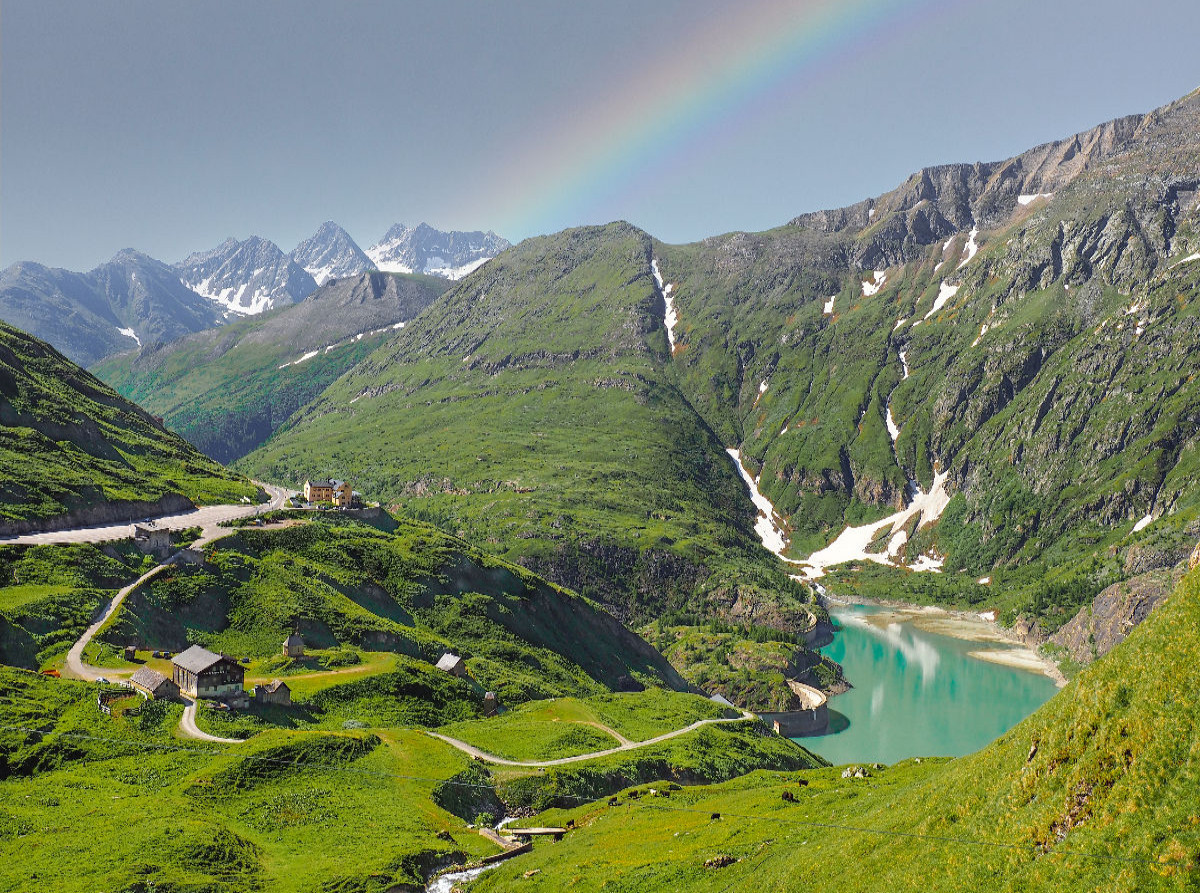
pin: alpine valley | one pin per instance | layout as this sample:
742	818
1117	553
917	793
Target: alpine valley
576	622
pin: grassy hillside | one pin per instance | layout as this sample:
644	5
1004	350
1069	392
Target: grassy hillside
226	390
69	442
92	802
1095	791
532	410
48	595
413	591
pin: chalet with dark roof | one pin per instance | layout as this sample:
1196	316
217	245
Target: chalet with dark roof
200	673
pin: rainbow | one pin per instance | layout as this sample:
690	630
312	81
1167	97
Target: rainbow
703	80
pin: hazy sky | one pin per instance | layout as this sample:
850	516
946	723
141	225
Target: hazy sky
167	125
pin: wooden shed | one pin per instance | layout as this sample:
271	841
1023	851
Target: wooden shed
153	684
453	664
274	692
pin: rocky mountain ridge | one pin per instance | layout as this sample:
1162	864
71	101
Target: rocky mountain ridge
1034	348
330	253
246	277
120	304
423	249
134	299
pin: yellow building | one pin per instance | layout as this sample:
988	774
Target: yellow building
340	493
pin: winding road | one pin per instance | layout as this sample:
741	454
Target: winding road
208	519
189	729
473	751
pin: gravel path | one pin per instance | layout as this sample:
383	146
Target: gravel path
189	729
545	764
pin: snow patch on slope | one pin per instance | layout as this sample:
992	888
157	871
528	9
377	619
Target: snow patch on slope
1030	199
671	317
893	428
972	247
851	544
871	288
945	293
768	526
130	333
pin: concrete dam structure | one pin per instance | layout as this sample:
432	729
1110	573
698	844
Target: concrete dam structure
812	717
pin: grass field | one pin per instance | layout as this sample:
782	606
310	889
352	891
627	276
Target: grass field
563	727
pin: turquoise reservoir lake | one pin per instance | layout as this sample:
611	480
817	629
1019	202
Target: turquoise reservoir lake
918	693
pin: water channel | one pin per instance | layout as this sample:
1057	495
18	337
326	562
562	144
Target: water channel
917	692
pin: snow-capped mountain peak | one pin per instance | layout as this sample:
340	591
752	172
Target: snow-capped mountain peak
246	277
423	249
330	253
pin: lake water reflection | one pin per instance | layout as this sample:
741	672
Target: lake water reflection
918	693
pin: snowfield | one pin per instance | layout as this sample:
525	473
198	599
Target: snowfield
851	544
945	293
768	526
872	288
972	247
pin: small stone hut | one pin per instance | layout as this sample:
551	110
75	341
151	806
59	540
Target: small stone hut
152	539
453	664
491	705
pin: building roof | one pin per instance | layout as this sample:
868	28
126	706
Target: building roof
148	679
294	639
197	659
448	661
275	685
321	483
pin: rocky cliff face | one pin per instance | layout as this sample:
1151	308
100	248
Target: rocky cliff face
1101	626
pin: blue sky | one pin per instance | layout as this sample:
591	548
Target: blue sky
166	125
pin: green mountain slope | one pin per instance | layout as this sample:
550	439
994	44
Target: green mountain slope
226	390
1027	326
70	445
1095	791
532	409
414	591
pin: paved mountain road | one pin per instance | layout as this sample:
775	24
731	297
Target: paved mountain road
208	518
